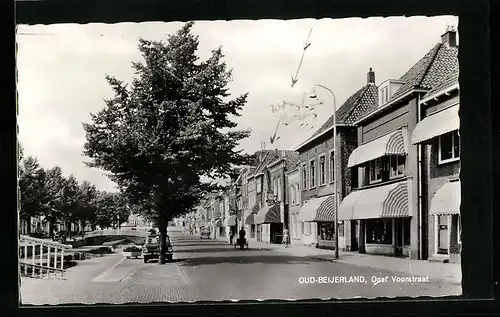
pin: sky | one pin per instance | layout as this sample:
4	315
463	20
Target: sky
62	68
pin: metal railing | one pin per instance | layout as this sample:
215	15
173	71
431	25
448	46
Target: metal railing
41	258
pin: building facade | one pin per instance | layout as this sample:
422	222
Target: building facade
437	136
320	165
385	208
294	199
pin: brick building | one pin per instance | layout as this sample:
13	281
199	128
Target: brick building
386	206
319	166
437	136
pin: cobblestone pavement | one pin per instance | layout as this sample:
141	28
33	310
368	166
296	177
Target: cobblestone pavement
208	270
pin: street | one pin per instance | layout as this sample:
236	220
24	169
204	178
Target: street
210	270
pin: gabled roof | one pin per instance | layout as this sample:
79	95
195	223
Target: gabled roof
446	83
426	73
288	157
354	107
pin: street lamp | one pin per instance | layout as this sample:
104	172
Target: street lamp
314	96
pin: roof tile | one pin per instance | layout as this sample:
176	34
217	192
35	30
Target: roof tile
447	82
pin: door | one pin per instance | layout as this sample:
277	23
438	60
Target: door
443	235
259	233
354	235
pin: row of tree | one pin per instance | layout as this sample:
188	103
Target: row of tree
64	200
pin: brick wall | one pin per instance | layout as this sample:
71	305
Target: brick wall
435	176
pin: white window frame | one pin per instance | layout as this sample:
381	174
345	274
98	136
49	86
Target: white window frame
312	176
331	173
275	186
374	162
258	185
322	171
307	225
303	177
297	192
397	174
459	230
453	158
292	195
279	198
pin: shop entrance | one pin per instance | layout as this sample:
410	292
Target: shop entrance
443	234
354	235
398	230
276	231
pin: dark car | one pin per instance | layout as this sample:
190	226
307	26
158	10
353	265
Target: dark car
205	233
151	249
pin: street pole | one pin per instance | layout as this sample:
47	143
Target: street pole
334	167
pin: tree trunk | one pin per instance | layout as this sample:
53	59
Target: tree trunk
163	242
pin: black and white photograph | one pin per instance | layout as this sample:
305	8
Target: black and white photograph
180	162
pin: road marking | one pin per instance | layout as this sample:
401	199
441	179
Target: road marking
101	277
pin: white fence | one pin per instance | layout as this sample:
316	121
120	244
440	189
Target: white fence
41	258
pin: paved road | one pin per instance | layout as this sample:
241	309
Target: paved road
212	270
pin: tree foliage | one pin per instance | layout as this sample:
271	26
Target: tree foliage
170	127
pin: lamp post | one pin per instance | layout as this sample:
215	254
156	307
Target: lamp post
314	96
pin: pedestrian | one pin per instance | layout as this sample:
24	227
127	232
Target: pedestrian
231	234
286	238
242	235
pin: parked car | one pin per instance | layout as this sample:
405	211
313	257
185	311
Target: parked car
151	249
132	251
205	233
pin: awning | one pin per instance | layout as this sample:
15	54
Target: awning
446	200
231	221
392	143
436	124
250	220
217	223
268	214
320	209
389	201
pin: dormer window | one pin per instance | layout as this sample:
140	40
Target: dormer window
387	89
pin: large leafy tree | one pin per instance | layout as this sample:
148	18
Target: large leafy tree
86	212
173	125
32	189
54	202
70	203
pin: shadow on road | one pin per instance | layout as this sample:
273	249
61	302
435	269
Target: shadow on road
191	244
271	259
155	261
214	250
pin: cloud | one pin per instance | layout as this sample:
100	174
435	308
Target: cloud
62	71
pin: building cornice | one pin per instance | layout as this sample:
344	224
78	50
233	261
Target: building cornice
388	105
310	140
440	93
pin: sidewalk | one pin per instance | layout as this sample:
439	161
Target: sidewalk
449	272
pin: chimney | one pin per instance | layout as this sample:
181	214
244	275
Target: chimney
449	37
371	77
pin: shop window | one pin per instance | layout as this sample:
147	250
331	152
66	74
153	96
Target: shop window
312	173
332	166
406	231
304	177
379	231
322	170
449	147
327	231
252	231
375	171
